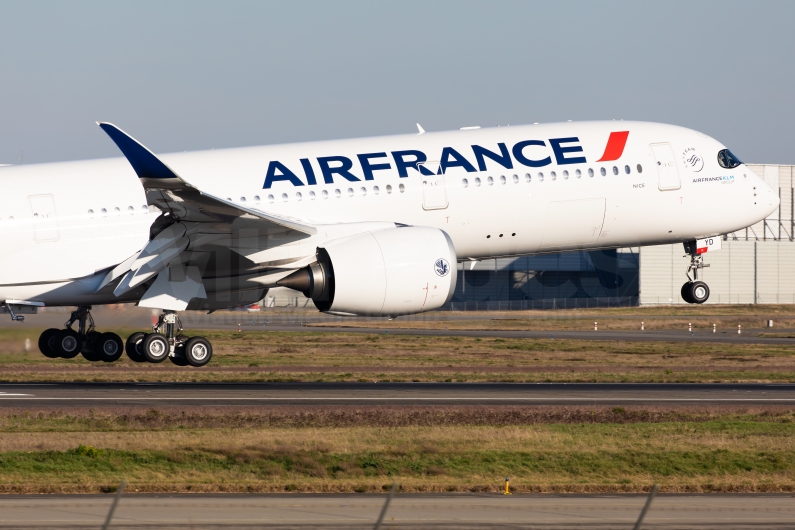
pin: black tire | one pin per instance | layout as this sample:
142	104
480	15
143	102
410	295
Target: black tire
198	351
133	347
155	348
685	292
67	343
179	361
108	347
46	345
88	351
699	292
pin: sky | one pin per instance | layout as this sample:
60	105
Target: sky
189	75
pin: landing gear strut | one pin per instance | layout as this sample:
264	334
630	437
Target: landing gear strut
68	343
167	342
694	291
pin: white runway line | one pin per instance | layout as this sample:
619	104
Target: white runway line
551	398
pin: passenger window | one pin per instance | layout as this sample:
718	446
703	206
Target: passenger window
130	210
502	179
540	177
516	179
145	208
627	170
553	175
578	173
284	197
91	213
376	190
615	170
603	171
565	175
727	160
270	199
477	181
325	194
364	191
298	196
116	210
528	177
256	197
337	193
402	188
104	212
311	196
640	168
590	172
465	183
389	188
242	199
350	192
490	181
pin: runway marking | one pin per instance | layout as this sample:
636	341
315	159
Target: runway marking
551	398
5	394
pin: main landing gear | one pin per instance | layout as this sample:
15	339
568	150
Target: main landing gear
694	291
167	342
68	343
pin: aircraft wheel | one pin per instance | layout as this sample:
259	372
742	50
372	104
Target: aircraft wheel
46	345
108	347
133	347
88	350
155	348
685	292
179	361
67	343
198	351
699	292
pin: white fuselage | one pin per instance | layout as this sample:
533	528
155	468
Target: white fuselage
63	224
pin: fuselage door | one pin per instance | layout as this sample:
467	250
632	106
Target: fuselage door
45	223
667	172
434	192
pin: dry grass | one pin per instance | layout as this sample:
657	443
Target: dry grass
338	449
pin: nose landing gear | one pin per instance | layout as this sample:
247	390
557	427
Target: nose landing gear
167	342
694	291
68	343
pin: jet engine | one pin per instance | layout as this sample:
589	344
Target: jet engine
390	272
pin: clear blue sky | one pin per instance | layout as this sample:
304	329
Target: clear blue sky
194	75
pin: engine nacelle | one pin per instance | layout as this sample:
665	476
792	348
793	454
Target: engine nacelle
391	272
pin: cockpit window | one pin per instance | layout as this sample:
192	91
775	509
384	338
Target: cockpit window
727	160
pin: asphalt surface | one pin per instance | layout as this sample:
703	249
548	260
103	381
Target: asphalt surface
434	511
36	395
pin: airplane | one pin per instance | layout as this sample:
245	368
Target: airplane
369	226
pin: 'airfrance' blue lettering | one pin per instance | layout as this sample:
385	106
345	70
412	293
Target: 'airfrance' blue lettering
343	170
519	155
284	174
452	158
560	152
309	172
403	165
368	168
503	158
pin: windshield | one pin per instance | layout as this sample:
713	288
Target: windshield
727	160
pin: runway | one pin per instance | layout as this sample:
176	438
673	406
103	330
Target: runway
432	511
36	395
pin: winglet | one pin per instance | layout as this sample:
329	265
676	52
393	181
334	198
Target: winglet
143	161
419	127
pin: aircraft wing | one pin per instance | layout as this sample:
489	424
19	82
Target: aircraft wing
172	193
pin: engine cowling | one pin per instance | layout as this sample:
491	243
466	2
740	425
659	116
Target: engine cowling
391	272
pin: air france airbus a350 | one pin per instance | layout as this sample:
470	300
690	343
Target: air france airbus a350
371	226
